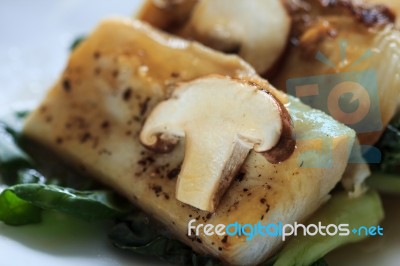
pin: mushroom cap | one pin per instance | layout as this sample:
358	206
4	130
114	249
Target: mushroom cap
226	106
257	30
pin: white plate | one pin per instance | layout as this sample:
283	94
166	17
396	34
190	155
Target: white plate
35	37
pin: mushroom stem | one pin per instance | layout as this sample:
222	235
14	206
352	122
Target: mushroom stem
206	174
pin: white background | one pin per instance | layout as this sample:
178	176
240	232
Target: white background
34	41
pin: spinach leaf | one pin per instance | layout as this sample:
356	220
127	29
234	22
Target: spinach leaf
171	251
384	183
76	42
385	176
140	235
13	161
320	262
45	183
21	204
18	167
15	211
389	145
137	234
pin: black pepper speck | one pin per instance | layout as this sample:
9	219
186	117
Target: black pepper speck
66	85
127	94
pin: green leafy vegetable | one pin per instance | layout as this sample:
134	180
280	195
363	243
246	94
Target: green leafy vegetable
15	211
13	161
17	167
31	191
136	233
390	147
21	204
76	42
363	211
384	183
172	251
320	262
386	176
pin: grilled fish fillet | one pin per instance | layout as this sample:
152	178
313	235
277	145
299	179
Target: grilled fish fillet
353	38
94	113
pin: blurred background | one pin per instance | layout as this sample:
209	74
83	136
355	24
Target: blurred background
35	41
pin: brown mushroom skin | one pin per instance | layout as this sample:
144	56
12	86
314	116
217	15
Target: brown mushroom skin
287	142
286	145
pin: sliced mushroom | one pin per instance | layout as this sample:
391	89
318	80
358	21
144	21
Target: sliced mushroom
222	119
256	30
